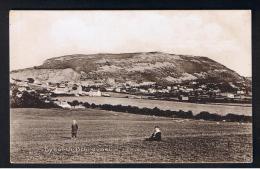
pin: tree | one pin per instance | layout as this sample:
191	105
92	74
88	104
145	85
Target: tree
30	80
74	103
74	88
29	99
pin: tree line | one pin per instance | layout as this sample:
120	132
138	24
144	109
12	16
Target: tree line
204	115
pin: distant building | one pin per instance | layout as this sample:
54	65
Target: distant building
203	86
216	91
95	93
175	87
181	89
63	104
62	85
165	90
143	91
228	95
239	96
21	89
199	89
189	89
61	90
183	98
118	89
109	89
151	90
240	92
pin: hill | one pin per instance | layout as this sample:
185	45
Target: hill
111	69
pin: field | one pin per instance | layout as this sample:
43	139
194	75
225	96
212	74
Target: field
43	136
222	109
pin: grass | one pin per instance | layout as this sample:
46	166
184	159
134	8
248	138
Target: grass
43	136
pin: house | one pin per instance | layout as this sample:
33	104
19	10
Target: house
204	96
203	86
199	89
151	90
47	101
239	97
240	92
109	89
143	90
183	98
19	94
216	91
63	104
62	85
181	89
95	93
61	90
165	90
189	89
175	87
21	89
228	95
118	89
50	84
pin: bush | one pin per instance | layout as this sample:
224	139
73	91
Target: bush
74	103
237	118
208	116
93	105
183	114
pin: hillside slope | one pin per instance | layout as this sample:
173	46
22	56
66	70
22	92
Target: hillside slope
135	67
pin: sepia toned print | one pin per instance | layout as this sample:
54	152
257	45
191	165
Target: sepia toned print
151	86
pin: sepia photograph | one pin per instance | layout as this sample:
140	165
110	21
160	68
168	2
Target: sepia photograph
130	86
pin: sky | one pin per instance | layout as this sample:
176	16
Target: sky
222	35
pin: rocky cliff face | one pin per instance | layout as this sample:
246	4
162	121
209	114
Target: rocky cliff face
135	67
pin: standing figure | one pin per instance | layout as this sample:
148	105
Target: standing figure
156	136
74	129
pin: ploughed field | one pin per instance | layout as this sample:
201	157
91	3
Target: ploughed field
221	109
43	136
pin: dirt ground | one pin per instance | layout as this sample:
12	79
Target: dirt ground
43	136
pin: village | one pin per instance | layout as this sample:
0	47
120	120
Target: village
193	91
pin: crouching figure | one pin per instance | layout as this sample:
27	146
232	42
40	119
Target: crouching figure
156	136
74	129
